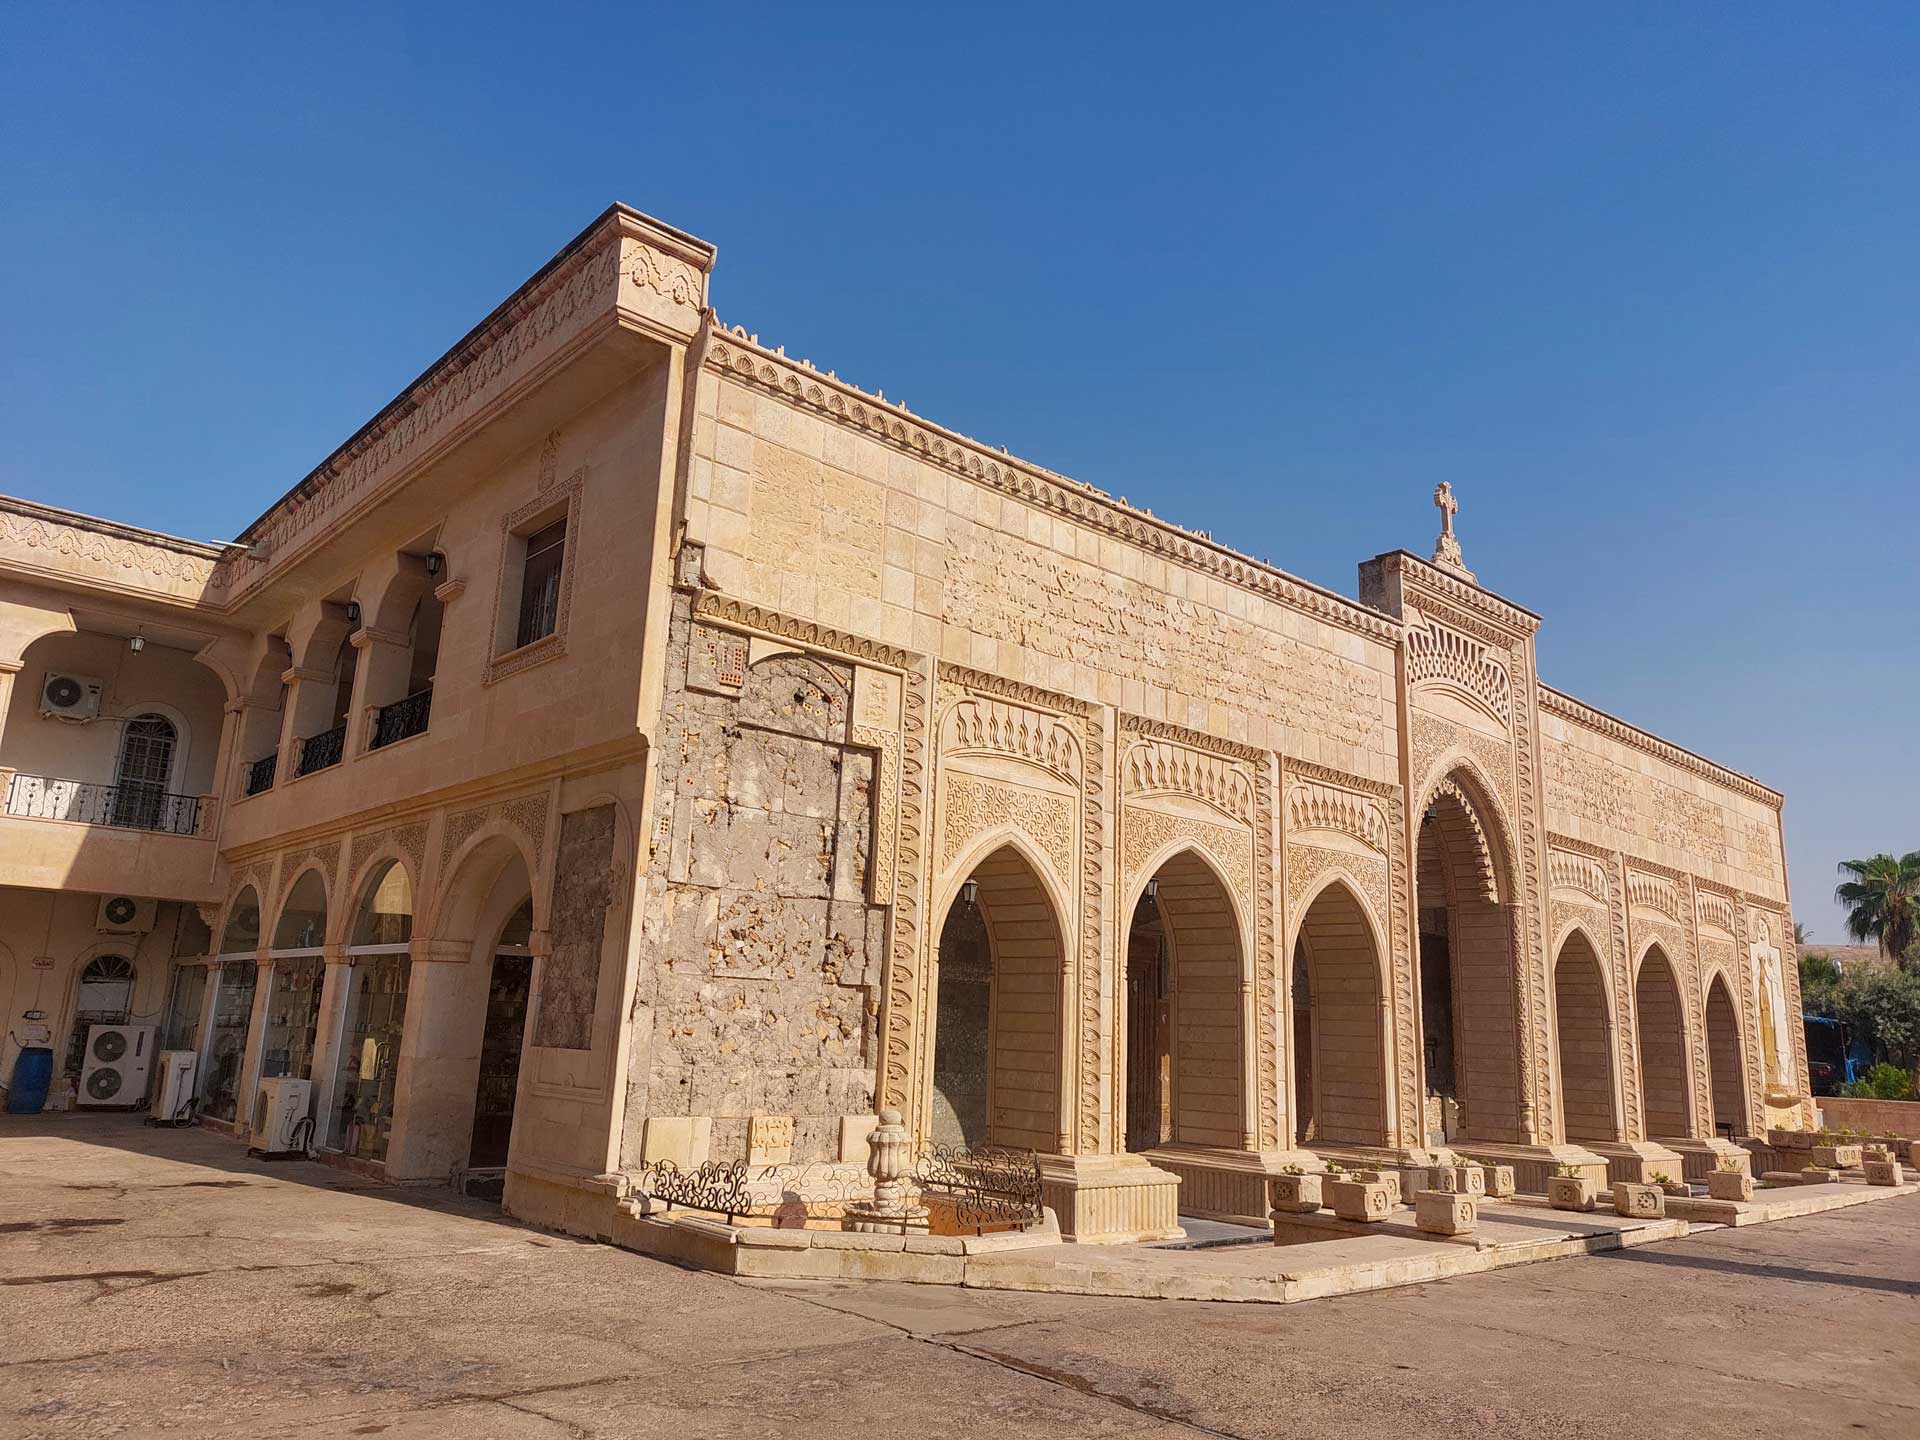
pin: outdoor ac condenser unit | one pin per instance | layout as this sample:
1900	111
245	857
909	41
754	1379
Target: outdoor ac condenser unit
114	1071
174	1088
279	1105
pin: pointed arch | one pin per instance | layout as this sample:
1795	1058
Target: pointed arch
1584	1030
1342	1067
999	1043
1660	1023
1203	977
1726	1058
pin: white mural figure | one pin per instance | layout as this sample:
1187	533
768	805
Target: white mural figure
1776	1038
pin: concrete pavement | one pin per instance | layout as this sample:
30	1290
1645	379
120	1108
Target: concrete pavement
159	1283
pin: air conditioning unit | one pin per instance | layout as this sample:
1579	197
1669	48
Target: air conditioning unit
173	1089
116	1065
279	1105
125	914
71	697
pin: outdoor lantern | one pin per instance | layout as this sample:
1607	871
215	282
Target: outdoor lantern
136	642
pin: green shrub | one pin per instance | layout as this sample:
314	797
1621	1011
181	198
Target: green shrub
1883	1082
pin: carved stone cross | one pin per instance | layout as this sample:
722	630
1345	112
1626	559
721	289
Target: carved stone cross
1446	549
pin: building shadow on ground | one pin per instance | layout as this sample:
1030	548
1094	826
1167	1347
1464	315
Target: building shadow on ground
1648	1255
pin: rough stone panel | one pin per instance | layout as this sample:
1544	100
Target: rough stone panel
582	891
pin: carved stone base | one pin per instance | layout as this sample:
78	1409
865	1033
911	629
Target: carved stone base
1111	1199
1534	1165
1635	1162
1703	1157
865	1218
1221	1184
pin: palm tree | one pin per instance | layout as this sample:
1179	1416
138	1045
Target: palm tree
1882	900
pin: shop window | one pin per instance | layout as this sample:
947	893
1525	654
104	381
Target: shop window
227	1033
293	1017
376	1012
182	1031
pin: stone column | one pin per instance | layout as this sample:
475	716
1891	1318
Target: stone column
328	1036
438	1067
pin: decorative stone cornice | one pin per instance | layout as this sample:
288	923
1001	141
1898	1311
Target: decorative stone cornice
725	610
46	539
1555	702
625	264
739	356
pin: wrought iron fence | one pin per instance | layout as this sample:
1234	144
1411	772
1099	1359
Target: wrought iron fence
317	752
716	1186
402	719
128	807
261	772
985	1185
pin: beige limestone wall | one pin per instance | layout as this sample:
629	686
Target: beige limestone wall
1607	792
811	516
46	940
158	679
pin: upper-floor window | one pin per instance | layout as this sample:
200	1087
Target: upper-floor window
540	583
146	766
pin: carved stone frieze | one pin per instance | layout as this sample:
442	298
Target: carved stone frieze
1266	967
903	1001
1407	1067
1367	874
409	839
985	725
1154	767
1096	841
971	805
1314	806
1655	892
1567	870
1462	665
1146	832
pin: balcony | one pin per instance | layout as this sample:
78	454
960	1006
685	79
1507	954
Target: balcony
260	774
401	720
319	752
126	807
59	834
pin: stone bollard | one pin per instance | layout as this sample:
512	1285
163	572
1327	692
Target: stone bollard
889	1160
1729	1185
1293	1194
1639	1202
1882	1172
1445	1212
1572	1192
1363	1200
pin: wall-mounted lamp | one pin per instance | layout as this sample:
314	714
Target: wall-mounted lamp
970	890
436	562
1153	889
353	612
136	642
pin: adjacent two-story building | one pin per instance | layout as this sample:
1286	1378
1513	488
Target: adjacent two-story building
637	743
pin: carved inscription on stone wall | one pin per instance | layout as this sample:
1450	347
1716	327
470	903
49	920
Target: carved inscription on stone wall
802	508
1032	596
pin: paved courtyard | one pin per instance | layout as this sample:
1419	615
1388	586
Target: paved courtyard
158	1282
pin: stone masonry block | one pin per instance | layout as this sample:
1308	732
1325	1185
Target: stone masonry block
685	1140
770	1140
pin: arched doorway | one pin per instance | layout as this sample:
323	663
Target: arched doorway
1468	990
104	996
1186	1053
997	1020
1340	1051
1585	1033
503	1038
1661	1026
1724	1056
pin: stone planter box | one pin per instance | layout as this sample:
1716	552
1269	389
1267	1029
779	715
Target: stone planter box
1678	1188
1639	1202
1913	1153
1364	1200
1790	1139
1445	1212
1882	1172
1461	1180
1729	1185
1294	1194
1501	1183
1572	1192
1837	1157
1388	1178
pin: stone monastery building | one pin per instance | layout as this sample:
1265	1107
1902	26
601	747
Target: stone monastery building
637	743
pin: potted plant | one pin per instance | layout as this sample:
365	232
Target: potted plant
1670	1186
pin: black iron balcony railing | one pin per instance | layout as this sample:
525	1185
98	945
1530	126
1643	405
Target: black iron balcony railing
401	719
261	772
317	752
130	807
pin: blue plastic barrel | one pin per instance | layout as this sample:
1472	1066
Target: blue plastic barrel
32	1074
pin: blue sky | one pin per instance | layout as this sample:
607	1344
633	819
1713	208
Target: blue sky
1640	281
